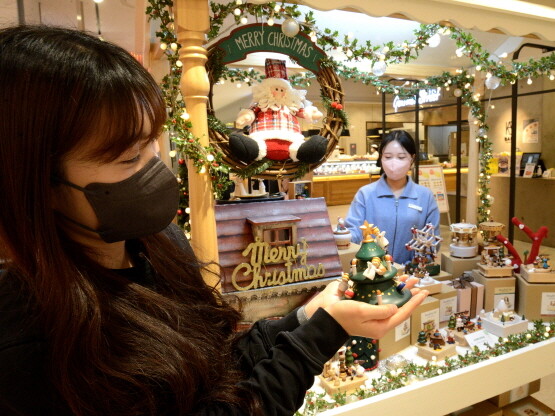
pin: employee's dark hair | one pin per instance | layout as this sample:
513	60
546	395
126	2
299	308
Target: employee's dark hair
404	139
115	347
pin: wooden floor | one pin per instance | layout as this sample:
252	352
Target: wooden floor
547	391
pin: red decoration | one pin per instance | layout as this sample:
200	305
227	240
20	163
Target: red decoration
536	238
349	294
181	161
179	212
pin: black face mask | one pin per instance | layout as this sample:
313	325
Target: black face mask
141	205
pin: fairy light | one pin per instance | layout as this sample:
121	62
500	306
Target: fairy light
270	22
173	46
237	12
277	8
529	82
172	153
210	157
244	20
185	115
178	64
163	46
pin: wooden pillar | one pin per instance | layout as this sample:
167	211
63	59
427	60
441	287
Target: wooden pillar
191	17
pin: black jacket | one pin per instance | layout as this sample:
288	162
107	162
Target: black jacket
280	357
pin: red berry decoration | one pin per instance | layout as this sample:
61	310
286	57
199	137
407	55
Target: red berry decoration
179	212
339	106
334	104
215	164
181	161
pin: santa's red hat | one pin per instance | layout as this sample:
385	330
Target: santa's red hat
275	68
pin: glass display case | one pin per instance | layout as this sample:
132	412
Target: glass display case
352	167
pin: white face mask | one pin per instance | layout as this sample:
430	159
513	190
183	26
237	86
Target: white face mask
396	169
396	161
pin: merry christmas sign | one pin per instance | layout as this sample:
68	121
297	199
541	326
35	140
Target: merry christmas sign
263	38
279	244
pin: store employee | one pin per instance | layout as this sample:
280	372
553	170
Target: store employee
394	203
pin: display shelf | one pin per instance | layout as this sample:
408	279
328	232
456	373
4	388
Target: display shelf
458	389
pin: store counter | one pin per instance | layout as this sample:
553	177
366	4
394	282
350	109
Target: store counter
340	189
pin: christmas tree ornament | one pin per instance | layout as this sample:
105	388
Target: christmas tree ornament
290	27
493	82
375	282
379	68
275	132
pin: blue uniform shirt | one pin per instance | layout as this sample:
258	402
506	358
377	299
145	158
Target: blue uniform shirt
377	204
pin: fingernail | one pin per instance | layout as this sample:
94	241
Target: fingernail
425	292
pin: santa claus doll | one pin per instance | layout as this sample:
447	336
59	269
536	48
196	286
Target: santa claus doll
275	132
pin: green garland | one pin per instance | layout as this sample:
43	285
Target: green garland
318	402
508	72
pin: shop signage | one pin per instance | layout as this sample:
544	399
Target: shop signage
424	96
294	268
263	38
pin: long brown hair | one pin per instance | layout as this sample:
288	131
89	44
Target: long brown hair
115	346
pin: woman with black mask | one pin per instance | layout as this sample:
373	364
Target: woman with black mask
103	308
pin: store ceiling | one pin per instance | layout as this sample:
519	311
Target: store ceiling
120	20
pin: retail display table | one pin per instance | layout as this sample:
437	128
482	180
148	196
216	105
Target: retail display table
461	388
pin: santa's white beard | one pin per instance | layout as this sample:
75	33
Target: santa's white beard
273	103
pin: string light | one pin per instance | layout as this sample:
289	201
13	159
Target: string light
529	82
270	22
237	12
244	20
173	46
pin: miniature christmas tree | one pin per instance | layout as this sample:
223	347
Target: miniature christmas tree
374	277
375	282
365	351
349	359
422	338
452	322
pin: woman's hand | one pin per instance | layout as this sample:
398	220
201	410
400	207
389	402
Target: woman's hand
362	319
373	321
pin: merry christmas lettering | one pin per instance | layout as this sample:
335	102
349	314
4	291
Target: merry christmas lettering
261	254
257	38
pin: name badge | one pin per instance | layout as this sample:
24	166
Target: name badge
416	207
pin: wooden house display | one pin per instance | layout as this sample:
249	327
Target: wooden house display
276	249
